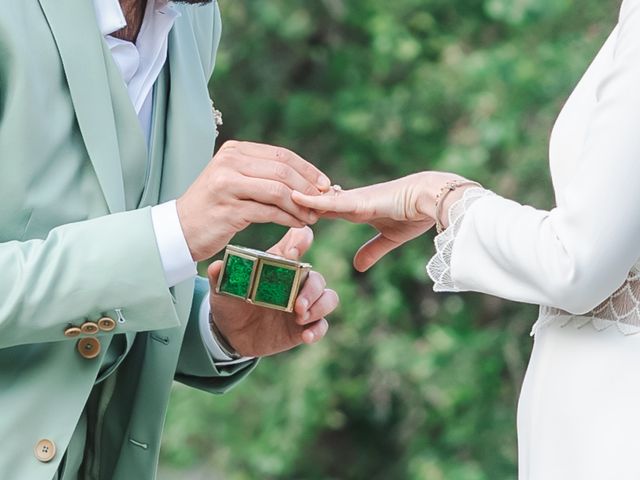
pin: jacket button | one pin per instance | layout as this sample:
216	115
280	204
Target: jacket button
72	332
89	347
106	324
89	328
45	450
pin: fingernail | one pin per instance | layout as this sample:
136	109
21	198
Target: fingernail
311	337
324	182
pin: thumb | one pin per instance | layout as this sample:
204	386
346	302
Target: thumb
372	251
214	271
294	244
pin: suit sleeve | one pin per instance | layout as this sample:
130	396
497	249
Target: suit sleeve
196	366
574	256
83	271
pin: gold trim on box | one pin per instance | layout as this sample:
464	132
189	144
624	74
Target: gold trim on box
259	259
237	252
301	269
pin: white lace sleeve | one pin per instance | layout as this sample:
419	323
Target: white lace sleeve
439	267
621	309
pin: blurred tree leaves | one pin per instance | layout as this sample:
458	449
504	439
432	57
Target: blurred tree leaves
408	384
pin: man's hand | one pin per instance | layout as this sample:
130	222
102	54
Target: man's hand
256	331
246	183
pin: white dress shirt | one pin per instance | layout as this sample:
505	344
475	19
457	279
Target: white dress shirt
573	258
140	64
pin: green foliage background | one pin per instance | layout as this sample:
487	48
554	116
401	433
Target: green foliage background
408	384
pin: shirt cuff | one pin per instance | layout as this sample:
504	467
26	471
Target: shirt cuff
176	258
220	358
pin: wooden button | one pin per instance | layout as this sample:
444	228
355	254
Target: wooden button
89	347
106	324
45	450
89	328
72	332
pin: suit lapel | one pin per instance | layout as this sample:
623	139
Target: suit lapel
75	30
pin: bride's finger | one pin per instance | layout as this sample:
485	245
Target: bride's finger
341	202
372	251
351	217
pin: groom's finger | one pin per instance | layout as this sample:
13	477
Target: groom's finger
314	332
372	251
286	156
324	306
311	291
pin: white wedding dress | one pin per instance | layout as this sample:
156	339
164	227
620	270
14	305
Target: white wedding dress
579	409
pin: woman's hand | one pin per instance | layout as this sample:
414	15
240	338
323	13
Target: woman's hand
400	210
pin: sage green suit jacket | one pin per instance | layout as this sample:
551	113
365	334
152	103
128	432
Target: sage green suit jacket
77	241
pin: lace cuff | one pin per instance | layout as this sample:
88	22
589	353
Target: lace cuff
621	309
439	267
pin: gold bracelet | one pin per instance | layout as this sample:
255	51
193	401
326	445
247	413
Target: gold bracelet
448	187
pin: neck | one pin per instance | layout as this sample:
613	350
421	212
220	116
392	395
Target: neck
133	13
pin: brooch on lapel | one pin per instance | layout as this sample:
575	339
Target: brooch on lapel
217	118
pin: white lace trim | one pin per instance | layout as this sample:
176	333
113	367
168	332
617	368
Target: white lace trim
439	267
621	309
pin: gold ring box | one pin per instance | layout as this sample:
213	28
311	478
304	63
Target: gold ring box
261	278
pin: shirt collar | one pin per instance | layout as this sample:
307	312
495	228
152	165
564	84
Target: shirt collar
111	18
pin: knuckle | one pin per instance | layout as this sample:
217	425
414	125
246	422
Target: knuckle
361	207
222	157
223	182
310	190
284	154
279	217
219	180
282	171
307	169
278	190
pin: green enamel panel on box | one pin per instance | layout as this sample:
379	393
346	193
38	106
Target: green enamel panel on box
274	285
237	276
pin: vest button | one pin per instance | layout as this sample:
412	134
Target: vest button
106	324
72	332
89	328
89	347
